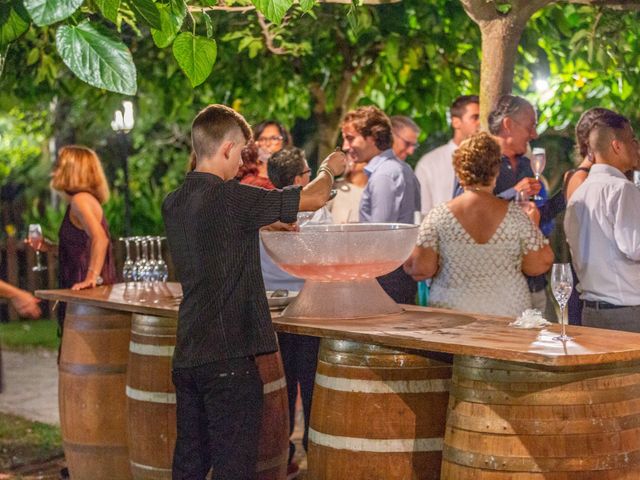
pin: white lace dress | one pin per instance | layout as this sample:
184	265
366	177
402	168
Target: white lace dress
481	278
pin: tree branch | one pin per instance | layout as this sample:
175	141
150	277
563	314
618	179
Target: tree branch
268	37
223	8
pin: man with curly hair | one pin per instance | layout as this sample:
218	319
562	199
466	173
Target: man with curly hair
392	193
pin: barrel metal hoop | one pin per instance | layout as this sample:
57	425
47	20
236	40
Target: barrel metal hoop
273	462
153	397
92	369
157	472
383	386
151	350
274	386
583	463
377	445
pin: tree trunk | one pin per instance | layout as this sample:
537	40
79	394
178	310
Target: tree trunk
500	40
501	34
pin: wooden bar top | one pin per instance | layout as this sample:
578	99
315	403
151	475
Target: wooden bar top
419	328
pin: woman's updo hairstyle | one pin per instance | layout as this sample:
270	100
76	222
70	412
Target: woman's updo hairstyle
477	160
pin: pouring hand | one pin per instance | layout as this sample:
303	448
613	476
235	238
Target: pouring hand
281	227
337	162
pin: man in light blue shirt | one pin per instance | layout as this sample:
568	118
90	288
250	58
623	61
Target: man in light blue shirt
392	193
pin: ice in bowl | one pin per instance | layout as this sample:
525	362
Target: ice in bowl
340	264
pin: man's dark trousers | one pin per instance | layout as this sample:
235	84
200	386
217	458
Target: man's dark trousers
219	411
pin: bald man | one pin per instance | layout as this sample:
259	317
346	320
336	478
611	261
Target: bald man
602	224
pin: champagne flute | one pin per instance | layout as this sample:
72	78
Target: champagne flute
36	239
561	285
538	164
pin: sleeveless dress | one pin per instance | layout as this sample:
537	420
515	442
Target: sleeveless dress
74	253
481	278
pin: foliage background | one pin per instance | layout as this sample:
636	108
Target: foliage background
410	58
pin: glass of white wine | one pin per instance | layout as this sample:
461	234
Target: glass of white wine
562	285
537	165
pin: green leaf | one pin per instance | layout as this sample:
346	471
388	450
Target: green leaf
307	5
503	8
171	18
14	21
97	57
33	56
273	10
195	55
46	12
148	12
109	9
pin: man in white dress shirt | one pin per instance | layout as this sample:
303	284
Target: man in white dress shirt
435	170
602	224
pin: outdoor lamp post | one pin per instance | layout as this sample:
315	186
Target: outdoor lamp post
122	124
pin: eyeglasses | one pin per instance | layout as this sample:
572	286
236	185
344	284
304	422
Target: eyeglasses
407	142
269	140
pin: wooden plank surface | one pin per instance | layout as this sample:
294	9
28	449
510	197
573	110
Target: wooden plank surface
418	328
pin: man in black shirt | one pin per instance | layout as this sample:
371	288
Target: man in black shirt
212	225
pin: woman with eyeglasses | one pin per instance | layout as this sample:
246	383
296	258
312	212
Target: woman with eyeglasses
269	137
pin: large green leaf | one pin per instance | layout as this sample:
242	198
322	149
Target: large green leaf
46	12
171	18
148	12
274	10
14	21
195	55
97	57
109	9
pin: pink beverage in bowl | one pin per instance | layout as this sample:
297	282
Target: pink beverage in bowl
340	264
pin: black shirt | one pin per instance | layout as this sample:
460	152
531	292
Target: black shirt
212	233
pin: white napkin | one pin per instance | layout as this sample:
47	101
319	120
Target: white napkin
530	318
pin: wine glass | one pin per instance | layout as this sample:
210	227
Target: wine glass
522	199
538	164
127	267
36	239
561	285
162	270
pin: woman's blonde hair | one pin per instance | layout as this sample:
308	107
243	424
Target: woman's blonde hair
477	161
78	169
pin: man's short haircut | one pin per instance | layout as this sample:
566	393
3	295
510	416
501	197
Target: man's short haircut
507	106
400	122
371	122
593	119
285	165
459	105
212	126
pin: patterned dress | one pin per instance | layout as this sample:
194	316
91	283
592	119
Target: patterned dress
482	278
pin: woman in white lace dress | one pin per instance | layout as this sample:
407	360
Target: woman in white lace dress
477	247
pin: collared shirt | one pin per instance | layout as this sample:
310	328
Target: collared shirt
392	193
602	224
436	176
212	233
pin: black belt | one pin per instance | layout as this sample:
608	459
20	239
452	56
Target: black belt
602	305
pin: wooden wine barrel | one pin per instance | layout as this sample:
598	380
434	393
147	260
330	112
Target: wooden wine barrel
92	378
377	413
151	397
273	451
152	404
511	421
